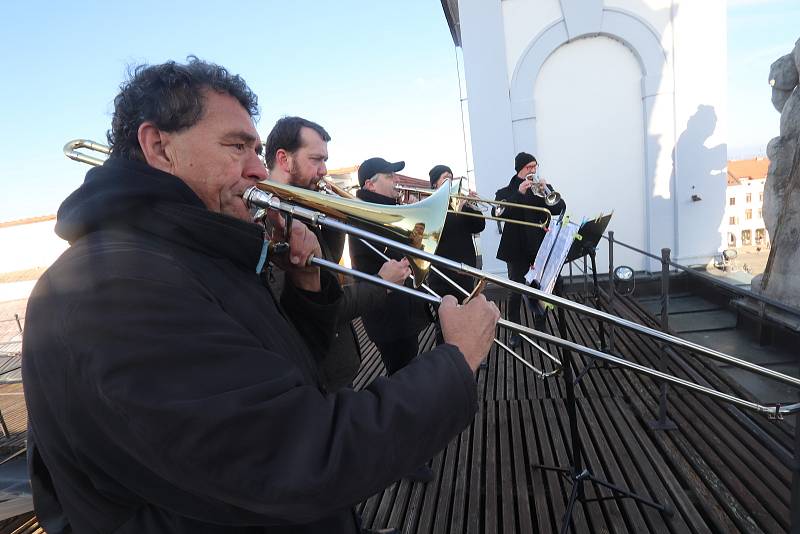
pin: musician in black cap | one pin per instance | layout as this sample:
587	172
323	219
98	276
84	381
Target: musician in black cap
395	327
456	242
519	243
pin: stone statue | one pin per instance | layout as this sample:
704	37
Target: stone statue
781	279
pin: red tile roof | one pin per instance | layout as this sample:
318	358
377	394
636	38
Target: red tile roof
747	169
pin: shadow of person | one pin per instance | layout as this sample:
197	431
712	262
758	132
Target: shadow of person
700	182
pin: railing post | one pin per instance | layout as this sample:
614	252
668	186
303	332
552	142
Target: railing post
665	289
611	289
663	422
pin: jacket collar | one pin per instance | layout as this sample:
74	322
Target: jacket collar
123	193
370	196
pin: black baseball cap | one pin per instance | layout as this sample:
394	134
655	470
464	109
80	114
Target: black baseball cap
373	166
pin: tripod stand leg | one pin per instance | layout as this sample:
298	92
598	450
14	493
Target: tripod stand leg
630	495
577	482
596	295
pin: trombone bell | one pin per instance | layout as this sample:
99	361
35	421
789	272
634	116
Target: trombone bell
418	225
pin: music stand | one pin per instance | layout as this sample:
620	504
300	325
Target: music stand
590	234
577	474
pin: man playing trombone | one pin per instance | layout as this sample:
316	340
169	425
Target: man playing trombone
394	328
167	390
295	153
519	244
456	242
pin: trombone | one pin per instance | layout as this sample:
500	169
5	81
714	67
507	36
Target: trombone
331	188
455	196
273	196
71	151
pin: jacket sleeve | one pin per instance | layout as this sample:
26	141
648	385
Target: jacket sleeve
360	299
473	225
314	314
193	412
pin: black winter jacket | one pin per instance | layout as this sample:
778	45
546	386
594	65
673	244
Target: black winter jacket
340	364
169	393
402	315
520	243
456	244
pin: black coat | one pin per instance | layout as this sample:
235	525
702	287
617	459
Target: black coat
520	243
169	393
456	244
402	315
342	361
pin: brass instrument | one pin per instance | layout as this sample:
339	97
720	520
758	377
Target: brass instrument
71	151
494	203
254	196
551	198
329	187
398	221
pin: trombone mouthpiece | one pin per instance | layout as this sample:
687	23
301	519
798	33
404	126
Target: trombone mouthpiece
255	197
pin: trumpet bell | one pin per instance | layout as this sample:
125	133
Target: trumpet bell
418	225
552	199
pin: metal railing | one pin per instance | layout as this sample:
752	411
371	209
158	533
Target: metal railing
663	422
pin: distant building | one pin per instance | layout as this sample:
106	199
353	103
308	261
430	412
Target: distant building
27	248
744	220
345	177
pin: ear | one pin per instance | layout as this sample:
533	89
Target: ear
153	142
369	185
282	159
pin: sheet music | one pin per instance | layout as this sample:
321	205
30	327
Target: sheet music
537	269
561	246
556	245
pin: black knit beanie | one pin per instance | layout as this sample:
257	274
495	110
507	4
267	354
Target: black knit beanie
522	159
436	173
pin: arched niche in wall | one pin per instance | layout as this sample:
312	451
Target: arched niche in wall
643	43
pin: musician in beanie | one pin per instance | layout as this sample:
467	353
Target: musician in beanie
456	242
519	243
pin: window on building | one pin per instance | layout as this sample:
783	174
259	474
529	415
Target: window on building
761	236
731	240
760	213
748	197
746	237
732	201
761	197
732	220
748	214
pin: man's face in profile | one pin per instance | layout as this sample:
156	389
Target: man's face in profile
218	156
306	165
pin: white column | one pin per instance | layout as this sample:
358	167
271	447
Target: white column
483	41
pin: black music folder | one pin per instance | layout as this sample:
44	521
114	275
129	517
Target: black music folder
588	237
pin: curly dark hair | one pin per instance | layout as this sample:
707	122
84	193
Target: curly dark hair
171	96
286	135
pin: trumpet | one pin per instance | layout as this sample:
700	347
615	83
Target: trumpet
551	198
322	210
456	196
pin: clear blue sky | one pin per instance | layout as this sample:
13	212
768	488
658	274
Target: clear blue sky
759	32
380	76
